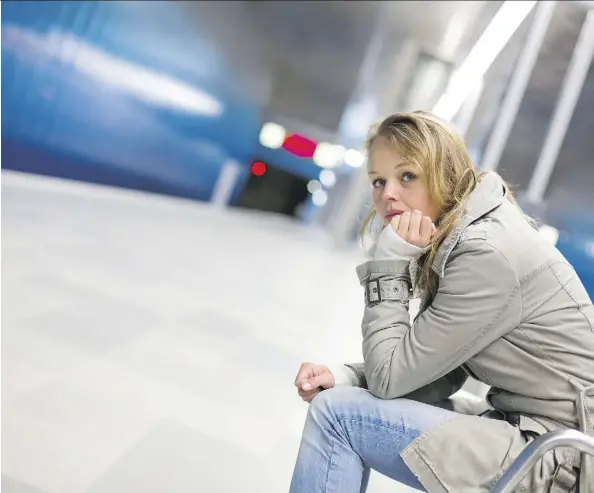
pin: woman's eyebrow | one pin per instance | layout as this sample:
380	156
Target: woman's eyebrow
399	165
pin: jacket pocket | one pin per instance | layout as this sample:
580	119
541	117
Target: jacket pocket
464	455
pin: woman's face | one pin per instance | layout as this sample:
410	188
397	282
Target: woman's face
396	187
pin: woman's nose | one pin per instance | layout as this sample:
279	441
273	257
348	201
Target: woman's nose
391	192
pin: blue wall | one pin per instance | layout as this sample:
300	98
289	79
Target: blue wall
124	93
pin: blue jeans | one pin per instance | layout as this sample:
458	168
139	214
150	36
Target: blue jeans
348	431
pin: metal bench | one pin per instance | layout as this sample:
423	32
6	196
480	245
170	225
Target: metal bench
533	452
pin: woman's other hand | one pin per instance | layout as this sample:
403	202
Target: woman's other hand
312	379
413	228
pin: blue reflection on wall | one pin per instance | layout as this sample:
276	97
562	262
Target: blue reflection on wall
124	93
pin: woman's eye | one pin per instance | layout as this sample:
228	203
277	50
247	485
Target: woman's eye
408	177
378	183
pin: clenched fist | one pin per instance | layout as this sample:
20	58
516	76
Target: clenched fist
413	227
312	379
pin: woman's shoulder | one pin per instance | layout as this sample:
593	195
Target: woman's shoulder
508	234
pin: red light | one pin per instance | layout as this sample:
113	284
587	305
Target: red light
258	168
299	145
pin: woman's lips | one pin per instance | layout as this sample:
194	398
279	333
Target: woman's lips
390	215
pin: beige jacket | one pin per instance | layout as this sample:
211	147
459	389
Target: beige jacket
511	312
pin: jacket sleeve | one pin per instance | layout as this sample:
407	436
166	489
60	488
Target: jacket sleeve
478	301
433	393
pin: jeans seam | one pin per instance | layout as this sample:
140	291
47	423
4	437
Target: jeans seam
329	466
407	434
403	430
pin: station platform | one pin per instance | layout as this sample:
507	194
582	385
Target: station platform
150	344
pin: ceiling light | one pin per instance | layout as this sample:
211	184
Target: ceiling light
354	158
328	155
313	186
328	178
319	198
497	34
272	135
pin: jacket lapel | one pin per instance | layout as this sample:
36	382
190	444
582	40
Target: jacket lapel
488	195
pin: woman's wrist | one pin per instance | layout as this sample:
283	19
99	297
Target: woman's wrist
391	246
343	375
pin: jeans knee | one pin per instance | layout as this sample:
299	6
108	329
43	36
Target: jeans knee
332	403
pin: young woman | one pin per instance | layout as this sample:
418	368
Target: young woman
499	304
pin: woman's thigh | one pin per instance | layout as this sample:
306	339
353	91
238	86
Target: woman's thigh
377	430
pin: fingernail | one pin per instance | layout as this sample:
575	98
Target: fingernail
306	386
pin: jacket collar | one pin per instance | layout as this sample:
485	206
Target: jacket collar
488	195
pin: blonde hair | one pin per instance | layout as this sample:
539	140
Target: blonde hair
442	161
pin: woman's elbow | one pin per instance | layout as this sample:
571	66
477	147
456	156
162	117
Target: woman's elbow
381	385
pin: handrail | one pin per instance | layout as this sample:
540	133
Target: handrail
533	452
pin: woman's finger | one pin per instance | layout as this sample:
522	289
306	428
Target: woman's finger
426	230
395	223
414	227
403	226
305	372
308	396
306	393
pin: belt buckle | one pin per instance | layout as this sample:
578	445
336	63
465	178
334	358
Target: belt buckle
373	293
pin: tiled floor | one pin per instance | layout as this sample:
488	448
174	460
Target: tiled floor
150	344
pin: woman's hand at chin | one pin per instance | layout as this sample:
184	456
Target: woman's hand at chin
414	228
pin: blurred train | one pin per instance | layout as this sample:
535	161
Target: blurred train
131	94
